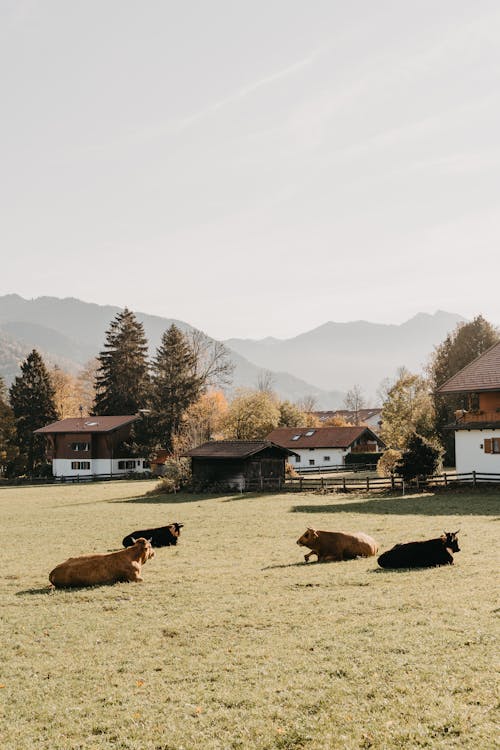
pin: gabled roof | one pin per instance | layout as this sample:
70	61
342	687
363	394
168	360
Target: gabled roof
320	437
482	374
87	424
234	449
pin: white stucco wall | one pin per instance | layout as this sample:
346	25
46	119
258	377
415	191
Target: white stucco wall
318	455
61	467
469	450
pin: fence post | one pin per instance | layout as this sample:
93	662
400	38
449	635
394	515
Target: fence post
474	478
322	483
392	480
418	485
300	486
445	480
343	484
367	483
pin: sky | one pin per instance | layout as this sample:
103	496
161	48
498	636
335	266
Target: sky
253	168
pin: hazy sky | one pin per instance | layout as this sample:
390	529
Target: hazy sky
253	168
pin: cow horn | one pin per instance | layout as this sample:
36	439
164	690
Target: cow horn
456	532
150	540
133	540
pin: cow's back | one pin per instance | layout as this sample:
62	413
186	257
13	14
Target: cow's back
427	554
350	545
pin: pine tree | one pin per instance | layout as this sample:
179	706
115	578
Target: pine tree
8	447
122	380
175	385
31	398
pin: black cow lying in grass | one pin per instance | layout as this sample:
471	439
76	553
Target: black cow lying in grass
427	554
165	536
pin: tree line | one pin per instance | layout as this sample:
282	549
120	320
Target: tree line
178	393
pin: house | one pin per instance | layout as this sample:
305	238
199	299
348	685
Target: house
91	446
240	464
369	417
477	425
323	447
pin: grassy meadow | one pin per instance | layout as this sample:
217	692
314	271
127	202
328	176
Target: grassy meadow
232	641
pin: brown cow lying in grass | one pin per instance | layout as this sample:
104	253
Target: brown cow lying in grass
333	546
97	569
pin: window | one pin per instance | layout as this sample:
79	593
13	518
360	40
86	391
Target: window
326	458
80	465
311	462
310	432
80	446
297	459
128	464
492	445
295	437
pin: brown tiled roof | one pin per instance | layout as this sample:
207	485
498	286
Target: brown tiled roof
319	437
482	374
234	449
87	424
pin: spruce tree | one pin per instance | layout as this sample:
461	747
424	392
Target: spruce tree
31	398
122	380
175	385
8	448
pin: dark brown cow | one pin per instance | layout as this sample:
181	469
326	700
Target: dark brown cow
333	546
428	554
97	569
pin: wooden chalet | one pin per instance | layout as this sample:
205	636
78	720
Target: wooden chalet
323	447
477	425
240	464
91	446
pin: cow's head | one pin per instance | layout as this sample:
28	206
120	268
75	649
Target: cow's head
175	529
308	537
144	549
450	540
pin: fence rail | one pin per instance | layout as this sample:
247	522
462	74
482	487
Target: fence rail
302	484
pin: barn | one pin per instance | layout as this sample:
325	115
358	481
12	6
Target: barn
243	465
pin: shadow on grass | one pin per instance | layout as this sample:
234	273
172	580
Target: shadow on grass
441	504
34	592
287	565
163	499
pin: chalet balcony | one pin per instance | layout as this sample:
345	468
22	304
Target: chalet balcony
464	418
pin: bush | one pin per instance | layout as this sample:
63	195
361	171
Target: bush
177	474
290	472
367	459
387	462
420	459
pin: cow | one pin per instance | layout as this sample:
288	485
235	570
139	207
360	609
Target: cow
428	554
98	569
333	546
164	536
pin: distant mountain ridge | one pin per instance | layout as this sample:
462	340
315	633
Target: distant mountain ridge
69	332
358	352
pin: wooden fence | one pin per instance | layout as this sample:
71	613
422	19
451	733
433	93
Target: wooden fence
346	484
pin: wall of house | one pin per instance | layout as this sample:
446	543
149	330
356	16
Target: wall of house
470	455
62	467
318	455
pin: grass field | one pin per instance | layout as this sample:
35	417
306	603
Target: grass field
232	641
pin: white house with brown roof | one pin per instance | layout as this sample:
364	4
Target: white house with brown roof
91	446
323	447
477	426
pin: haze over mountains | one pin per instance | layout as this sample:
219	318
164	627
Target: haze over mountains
323	363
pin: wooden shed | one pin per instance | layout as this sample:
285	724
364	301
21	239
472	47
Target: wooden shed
242	465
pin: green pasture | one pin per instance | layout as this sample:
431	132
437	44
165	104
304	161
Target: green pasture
232	641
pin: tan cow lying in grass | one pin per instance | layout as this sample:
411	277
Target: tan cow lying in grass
333	546
97	569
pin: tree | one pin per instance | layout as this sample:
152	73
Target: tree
459	348
408	408
8	449
291	415
31	397
212	365
86	385
201	421
420	459
265	382
251	416
355	401
122	381
175	385
67	397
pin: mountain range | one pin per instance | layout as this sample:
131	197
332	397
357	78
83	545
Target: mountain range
323	363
